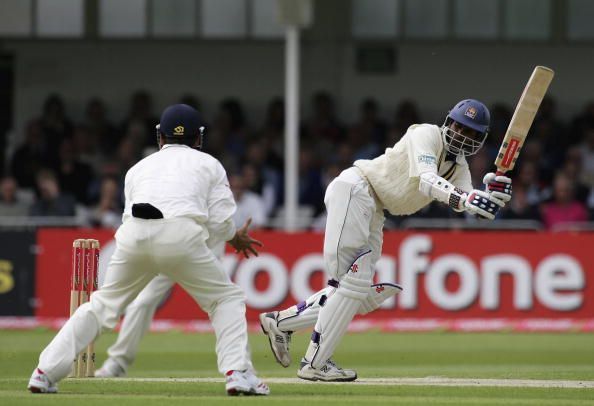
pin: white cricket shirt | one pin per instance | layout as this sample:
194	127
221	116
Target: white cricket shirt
183	182
394	176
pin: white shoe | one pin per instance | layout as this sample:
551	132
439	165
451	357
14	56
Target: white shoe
279	340
257	385
40	383
246	383
110	369
329	372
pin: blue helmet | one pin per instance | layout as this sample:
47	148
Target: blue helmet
181	124
472	114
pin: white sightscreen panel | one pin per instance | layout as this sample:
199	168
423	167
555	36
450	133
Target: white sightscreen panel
580	24
265	23
375	18
527	19
15	17
173	18
426	18
60	18
224	18
476	19
122	18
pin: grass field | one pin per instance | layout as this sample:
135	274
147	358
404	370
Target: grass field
374	355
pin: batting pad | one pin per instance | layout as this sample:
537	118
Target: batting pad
304	314
378	294
339	310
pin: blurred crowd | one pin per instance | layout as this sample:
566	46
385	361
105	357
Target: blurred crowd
67	168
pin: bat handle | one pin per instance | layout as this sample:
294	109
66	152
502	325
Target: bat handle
499	173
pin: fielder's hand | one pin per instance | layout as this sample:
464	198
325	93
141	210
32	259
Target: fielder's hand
499	187
242	242
483	204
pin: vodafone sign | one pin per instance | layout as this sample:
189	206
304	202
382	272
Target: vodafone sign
443	274
446	276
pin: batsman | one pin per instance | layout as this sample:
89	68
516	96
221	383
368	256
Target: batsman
428	163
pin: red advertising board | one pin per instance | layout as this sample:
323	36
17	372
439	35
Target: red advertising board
453	280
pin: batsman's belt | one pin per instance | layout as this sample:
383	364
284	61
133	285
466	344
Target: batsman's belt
146	211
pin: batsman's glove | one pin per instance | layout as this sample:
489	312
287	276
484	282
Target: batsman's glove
483	204
499	187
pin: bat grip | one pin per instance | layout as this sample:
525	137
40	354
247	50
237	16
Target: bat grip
499	173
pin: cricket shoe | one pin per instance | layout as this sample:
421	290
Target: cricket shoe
329	372
279	340
110	369
245	383
40	383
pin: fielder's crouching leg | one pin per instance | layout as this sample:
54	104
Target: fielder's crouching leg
339	310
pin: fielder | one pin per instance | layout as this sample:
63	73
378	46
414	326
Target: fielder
171	197
428	163
137	321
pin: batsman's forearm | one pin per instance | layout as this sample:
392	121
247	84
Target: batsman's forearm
436	187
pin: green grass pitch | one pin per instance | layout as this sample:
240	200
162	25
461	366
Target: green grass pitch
375	355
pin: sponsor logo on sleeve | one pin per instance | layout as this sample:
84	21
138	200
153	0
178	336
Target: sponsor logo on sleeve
427	159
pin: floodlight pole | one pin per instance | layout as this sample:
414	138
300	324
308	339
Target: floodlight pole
291	126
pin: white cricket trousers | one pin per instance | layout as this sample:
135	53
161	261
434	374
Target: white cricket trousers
354	224
144	248
137	320
139	314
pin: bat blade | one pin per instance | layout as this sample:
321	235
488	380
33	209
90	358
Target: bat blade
521	121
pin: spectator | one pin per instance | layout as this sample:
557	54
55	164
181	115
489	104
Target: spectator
234	125
102	133
564	207
73	175
363	147
272	134
323	125
500	117
572	168
265	187
10	203
581	124
249	204
372	128
586	150
56	126
130	150
141	115
108	212
406	114
479	164
30	157
229	133
528	180
330	172
520	207
311	192
269	177
191	101
51	201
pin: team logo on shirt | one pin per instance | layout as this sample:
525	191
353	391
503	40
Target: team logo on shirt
471	112
179	130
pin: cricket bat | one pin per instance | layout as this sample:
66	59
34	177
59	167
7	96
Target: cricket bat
521	121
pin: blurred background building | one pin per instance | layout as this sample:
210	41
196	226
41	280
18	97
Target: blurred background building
82	84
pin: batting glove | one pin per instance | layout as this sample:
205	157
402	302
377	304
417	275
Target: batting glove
483	204
499	187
